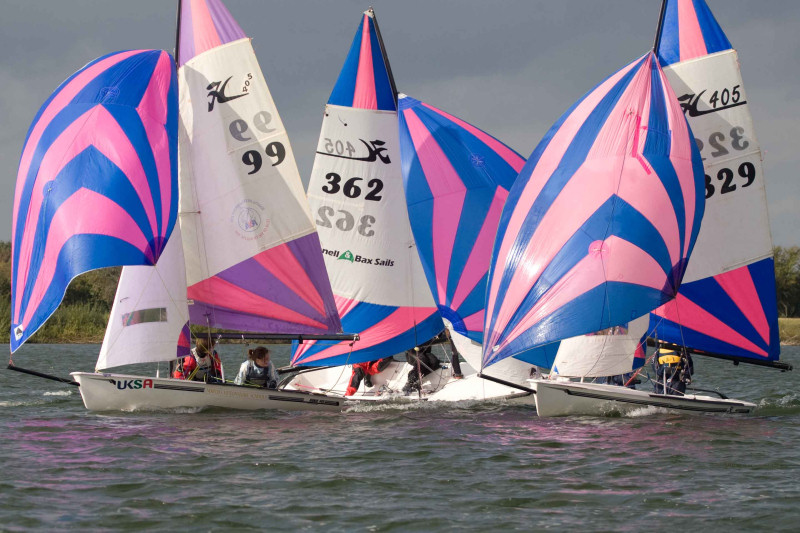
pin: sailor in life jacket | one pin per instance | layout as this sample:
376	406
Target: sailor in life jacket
258	370
202	364
365	371
674	369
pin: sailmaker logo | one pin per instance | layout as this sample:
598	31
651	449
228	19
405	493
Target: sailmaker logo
248	220
347	255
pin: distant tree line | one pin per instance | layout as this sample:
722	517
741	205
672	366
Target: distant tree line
787	276
83	314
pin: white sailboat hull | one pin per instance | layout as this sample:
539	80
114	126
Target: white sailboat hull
595	399
119	392
388	385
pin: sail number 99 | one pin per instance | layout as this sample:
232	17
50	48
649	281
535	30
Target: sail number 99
253	158
346	222
351	189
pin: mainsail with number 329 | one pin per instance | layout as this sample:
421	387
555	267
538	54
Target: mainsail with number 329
727	304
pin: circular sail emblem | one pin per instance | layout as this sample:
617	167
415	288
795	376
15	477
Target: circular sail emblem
248	219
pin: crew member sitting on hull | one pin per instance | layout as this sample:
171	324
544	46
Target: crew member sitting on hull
673	369
365	371
422	362
202	364
258	370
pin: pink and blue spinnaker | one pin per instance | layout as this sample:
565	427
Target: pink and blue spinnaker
599	226
97	180
456	179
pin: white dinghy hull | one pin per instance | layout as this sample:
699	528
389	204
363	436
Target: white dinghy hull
119	392
595	399
387	385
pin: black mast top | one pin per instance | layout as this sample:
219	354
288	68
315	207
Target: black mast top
178	34
383	53
660	26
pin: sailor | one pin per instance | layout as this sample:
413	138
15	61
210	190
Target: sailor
365	371
258	370
673	369
202	364
422	362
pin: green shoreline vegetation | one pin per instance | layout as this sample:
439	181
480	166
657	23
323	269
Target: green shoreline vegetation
83	314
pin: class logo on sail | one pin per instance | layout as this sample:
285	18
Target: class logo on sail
345	150
216	91
719	100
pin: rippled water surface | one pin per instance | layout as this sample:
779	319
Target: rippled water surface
417	467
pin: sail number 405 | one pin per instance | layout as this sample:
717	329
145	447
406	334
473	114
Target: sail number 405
345	222
351	189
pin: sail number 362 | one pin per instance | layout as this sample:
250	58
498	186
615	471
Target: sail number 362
345	222
351	188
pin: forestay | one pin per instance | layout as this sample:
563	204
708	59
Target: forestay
600	224
727	305
356	194
97	180
253	257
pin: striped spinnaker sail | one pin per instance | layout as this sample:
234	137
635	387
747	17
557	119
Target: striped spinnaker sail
727	305
253	256
457	179
599	226
356	194
97	180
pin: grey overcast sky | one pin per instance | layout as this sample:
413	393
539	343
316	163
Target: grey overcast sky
510	67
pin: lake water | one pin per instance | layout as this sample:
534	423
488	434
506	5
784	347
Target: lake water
417	467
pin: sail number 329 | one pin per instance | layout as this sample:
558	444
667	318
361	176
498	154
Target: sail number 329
746	170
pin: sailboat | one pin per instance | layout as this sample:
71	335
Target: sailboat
726	306
356	193
245	255
597	231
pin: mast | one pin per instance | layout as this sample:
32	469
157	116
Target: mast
178	33
383	53
659	27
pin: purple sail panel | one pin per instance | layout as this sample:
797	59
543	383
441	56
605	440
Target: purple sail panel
600	224
97	180
205	24
284	290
